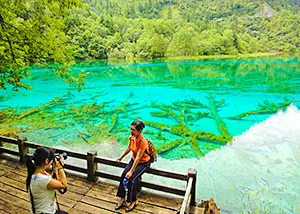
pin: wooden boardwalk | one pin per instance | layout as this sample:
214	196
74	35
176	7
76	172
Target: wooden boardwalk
82	196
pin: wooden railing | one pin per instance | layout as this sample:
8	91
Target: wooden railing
189	199
93	173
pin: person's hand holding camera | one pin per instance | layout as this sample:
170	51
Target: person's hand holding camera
60	163
58	173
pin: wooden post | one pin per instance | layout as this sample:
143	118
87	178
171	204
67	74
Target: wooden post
1	145
193	173
91	166
23	150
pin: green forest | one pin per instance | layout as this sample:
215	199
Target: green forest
48	32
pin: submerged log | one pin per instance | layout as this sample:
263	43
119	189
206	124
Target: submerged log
168	146
113	123
194	144
220	124
82	136
212	138
264	108
191	103
184	131
38	108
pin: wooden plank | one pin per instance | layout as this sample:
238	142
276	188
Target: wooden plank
65	201
76	211
64	208
91	209
141	206
185	203
102	196
99	203
150	198
71	195
2	210
21	171
79	183
16	177
77	190
9	151
6	168
160	200
105	184
13	183
14	200
2	172
105	188
152	209
6	207
16	167
64	204
8	140
13	191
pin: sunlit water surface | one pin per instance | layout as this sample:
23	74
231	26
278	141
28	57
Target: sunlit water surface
258	172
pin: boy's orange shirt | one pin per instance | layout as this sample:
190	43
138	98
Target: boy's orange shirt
139	143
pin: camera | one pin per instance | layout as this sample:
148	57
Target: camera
57	156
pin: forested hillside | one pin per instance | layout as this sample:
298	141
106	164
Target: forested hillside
159	28
39	32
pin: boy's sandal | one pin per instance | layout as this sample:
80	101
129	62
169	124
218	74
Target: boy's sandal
129	209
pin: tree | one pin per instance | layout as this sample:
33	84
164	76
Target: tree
184	43
33	32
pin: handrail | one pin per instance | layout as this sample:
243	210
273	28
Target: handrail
8	140
190	193
152	170
92	167
187	197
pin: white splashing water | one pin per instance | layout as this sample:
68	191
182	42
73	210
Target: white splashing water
258	173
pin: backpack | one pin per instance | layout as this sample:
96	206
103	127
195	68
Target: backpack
151	151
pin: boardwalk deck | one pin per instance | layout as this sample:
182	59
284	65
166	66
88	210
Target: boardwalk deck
82	196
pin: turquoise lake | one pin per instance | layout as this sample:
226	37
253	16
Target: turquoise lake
191	110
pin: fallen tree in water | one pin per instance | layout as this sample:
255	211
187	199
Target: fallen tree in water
264	108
